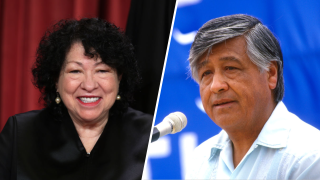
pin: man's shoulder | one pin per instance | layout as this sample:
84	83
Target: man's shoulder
296	134
301	156
303	136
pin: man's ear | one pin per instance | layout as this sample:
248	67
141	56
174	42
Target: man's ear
273	75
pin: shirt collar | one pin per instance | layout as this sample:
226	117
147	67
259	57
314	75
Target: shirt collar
218	143
274	133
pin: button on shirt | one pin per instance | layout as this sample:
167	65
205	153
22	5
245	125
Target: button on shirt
286	148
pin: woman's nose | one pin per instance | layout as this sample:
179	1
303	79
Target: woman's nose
89	83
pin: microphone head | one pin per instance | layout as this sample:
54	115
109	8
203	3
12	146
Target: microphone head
178	121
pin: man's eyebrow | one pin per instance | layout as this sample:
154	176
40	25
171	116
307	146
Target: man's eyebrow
202	64
226	58
230	58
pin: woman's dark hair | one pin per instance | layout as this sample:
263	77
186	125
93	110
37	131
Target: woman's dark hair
99	39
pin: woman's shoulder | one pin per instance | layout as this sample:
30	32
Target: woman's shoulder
32	120
135	115
29	114
137	121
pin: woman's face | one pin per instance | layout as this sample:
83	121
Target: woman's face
87	86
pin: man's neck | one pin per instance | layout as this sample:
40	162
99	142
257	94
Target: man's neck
243	137
241	146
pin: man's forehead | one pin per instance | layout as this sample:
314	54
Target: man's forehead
204	60
235	47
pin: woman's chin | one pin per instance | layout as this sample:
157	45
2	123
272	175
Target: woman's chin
91	119
91	116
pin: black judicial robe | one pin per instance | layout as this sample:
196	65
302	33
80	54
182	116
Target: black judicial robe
34	146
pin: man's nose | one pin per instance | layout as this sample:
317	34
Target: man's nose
218	84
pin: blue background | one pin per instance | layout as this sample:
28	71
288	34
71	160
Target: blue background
295	23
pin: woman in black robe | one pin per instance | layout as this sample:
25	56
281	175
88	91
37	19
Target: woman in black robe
86	73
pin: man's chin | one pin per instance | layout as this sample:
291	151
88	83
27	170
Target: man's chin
226	120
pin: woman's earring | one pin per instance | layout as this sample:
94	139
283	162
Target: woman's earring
118	97
58	99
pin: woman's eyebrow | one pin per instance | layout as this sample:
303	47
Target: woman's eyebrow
98	63
77	62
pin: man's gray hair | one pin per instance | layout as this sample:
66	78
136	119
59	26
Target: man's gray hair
262	46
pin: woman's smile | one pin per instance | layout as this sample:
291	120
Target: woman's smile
89	101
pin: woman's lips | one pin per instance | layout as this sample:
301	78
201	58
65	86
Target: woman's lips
89	101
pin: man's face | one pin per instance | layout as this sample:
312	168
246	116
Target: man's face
234	93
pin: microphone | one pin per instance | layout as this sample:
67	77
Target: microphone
171	124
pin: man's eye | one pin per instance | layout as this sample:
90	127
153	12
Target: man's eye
206	73
230	68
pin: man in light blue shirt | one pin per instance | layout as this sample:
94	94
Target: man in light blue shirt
238	64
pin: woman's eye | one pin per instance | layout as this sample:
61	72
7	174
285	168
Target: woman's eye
103	71
75	71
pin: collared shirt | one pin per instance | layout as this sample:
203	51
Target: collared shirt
286	148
